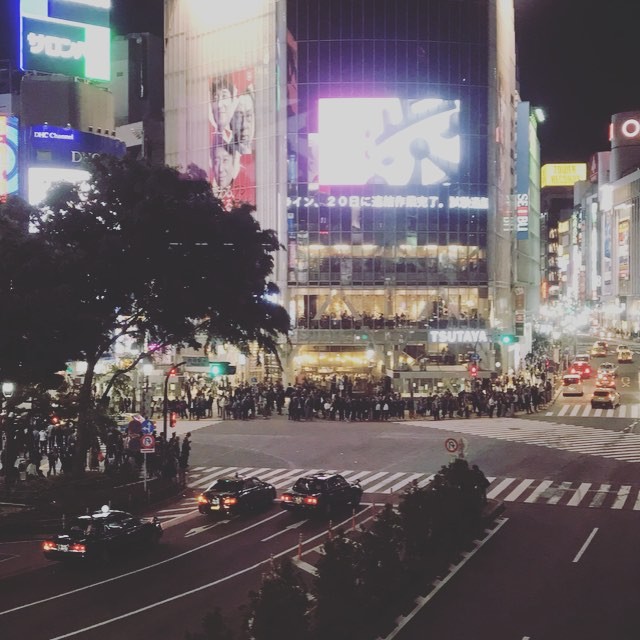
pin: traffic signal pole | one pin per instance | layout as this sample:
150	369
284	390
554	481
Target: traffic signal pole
165	404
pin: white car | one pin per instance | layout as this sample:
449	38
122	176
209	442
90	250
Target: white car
582	357
572	385
622	347
625	355
608	367
605	399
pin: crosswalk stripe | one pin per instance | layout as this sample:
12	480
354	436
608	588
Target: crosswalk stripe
270	474
598	413
538	491
586	411
499	488
635	411
574	410
559	494
284	474
205	480
373	478
622	496
518	491
601	494
425	481
385	482
563	410
622	411
579	495
409	479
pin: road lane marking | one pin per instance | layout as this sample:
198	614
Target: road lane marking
150	566
406	481
373	478
421	602
518	491
295	525
559	494
574	411
378	486
585	545
622	411
499	488
622	496
601	494
204	481
203	587
564	409
579	495
541	488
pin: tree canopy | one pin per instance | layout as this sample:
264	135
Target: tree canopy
141	251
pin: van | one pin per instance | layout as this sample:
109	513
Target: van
572	385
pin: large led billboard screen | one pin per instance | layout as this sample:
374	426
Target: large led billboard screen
56	154
388	141
69	37
232	137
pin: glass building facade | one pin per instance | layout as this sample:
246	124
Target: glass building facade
392	196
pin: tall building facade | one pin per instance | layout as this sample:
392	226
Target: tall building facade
381	150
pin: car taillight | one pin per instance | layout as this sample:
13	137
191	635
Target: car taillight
286	497
311	500
229	501
202	499
587	370
47	545
78	547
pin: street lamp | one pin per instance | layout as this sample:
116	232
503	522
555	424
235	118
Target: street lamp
8	389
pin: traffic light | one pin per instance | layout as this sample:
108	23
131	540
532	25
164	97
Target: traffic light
217	369
473	370
174	419
509	338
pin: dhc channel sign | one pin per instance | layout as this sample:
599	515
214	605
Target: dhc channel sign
69	37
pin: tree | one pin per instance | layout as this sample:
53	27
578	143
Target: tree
279	609
148	253
214	627
337	587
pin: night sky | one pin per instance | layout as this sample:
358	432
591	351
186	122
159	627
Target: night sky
578	59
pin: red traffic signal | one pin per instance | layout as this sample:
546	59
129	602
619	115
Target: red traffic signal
174	419
473	370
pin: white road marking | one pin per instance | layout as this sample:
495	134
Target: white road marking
579	495
601	494
499	488
386	481
622	496
585	545
295	525
559	493
518	491
541	488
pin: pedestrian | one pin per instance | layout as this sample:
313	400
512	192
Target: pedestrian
53	461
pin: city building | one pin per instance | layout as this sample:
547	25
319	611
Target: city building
378	140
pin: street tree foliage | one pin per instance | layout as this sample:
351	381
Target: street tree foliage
142	252
280	608
214	627
337	588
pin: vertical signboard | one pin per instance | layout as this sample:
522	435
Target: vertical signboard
70	37
8	156
232	136
623	251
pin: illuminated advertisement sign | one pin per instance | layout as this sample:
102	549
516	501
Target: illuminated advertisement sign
458	336
70	37
624	130
522	217
388	141
8	156
562	175
54	154
623	250
232	136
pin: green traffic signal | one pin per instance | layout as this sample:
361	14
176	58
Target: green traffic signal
217	369
509	338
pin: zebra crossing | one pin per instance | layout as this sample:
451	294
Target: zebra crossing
387	485
614	445
631	411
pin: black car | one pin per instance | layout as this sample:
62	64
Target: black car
235	494
103	535
321	493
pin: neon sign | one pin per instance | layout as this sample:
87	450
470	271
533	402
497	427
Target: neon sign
39	44
390	202
459	336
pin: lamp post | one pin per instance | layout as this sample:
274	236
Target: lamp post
8	389
165	404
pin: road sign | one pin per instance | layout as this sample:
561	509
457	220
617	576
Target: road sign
147	443
451	445
147	426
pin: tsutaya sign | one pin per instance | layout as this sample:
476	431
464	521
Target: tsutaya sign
459	336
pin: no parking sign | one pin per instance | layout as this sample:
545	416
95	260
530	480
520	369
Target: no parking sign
147	443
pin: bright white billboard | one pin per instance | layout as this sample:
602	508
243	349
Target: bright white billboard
388	141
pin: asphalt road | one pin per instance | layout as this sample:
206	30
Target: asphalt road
549	574
562	477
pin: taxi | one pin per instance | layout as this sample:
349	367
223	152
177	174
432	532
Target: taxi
599	349
625	356
605	380
605	399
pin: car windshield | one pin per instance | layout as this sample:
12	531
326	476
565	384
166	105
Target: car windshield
601	394
226	485
307	485
570	380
